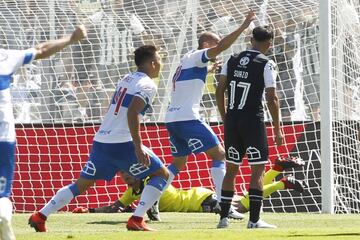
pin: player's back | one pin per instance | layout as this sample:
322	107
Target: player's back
188	87
114	128
179	200
247	74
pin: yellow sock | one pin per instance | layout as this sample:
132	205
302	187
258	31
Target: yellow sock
267	191
273	187
270	175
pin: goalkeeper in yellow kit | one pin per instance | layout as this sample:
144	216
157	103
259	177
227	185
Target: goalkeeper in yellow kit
199	199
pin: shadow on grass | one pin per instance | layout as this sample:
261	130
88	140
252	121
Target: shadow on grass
108	222
324	235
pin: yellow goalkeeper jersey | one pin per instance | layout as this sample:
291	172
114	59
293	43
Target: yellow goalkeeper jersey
173	199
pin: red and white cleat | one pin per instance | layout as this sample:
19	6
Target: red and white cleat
282	163
37	221
137	224
291	183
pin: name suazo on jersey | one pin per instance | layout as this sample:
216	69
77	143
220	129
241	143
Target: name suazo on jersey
188	87
114	128
10	61
249	73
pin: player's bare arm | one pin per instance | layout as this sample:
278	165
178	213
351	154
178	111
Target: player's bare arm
49	48
136	106
227	41
220	96
273	105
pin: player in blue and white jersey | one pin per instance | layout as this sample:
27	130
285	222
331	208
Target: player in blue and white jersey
117	145
10	62
189	134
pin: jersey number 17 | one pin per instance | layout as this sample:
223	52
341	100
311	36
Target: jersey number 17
233	87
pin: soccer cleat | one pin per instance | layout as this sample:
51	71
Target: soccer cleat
81	210
37	221
291	183
137	225
260	224
282	163
233	214
154	213
6	230
223	223
217	208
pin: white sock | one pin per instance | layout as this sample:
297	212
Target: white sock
6	231
60	200
6	209
149	196
218	173
173	171
170	179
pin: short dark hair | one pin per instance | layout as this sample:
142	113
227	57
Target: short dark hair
205	37
263	33
144	54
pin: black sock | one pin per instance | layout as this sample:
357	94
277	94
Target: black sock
226	199
256	197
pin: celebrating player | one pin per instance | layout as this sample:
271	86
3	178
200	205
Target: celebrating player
199	199
245	76
117	145
10	61
188	134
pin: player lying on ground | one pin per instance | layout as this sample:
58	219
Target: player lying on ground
117	145
10	62
242	204
199	199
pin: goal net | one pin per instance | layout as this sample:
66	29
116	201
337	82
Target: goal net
59	102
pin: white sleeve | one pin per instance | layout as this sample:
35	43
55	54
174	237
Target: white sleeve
146	91
200	57
224	69
270	74
21	57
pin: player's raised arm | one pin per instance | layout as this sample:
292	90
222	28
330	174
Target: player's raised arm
46	49
227	41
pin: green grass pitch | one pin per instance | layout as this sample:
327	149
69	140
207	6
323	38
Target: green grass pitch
187	226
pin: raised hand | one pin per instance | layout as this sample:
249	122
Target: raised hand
249	18
78	34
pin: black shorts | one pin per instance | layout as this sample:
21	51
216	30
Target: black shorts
245	135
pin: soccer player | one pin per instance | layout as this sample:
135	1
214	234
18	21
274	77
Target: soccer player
189	134
242	204
117	145
245	76
199	199
10	61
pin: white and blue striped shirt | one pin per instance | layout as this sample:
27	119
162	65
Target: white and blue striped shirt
188	87
10	61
